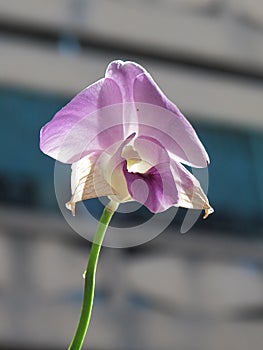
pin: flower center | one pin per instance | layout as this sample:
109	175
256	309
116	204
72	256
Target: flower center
134	162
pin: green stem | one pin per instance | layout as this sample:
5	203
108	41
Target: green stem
89	285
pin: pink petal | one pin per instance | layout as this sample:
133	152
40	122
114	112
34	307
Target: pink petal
92	121
155	189
124	74
160	118
167	183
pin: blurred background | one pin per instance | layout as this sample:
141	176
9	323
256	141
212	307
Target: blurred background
199	291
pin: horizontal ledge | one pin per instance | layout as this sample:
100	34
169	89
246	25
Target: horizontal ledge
205	96
182	58
50	226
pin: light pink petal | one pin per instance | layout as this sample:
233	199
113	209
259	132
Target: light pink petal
87	181
190	193
92	121
111	163
158	117
151	150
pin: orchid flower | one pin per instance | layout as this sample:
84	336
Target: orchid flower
126	140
